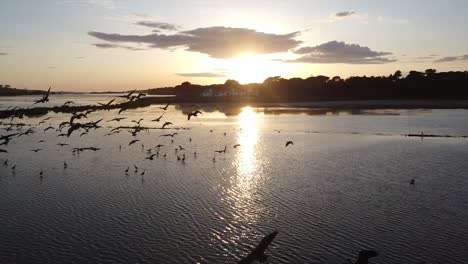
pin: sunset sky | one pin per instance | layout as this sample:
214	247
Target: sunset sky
98	45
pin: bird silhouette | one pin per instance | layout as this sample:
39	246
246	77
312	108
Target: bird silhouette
157	119
236	145
44	99
221	151
107	104
194	113
133	142
118	119
166	124
289	143
258	253
36	150
412	182
165	107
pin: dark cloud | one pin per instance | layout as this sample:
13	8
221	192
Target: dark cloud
158	25
202	74
340	52
217	42
453	58
345	13
113	46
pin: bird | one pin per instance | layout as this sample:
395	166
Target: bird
118	119
157	119
65	165
136	168
14	167
44	99
289	143
181	148
166	124
221	151
122	109
133	142
36	150
41	174
165	107
278	131
5	162
169	135
236	145
128	96
107	104
258	253
150	157
194	113
41	141
143	173
412	182
159	146
127	169
48	128
137	121
365	255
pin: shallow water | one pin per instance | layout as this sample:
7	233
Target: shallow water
343	186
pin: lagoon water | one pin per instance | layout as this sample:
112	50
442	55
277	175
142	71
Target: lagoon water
342	187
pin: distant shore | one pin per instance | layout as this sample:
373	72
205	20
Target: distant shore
247	101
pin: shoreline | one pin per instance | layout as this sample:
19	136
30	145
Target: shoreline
238	102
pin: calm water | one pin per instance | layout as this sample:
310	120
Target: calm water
343	186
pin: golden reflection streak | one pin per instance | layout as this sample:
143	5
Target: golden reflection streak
248	177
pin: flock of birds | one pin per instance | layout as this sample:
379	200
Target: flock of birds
78	124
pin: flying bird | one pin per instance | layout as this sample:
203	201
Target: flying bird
165	107
133	142
117	119
150	157
107	104
259	252
194	113
166	124
157	119
45	98
236	145
289	143
36	150
221	151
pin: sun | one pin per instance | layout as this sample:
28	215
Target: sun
248	68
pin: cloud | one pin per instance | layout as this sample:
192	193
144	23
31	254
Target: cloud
217	42
113	46
101	3
345	13
340	52
453	58
202	74
158	25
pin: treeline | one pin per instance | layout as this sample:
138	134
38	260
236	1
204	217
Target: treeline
7	90
416	85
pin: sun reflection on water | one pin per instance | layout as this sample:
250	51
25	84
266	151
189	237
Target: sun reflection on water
249	178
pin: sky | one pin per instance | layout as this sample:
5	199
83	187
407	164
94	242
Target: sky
102	45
